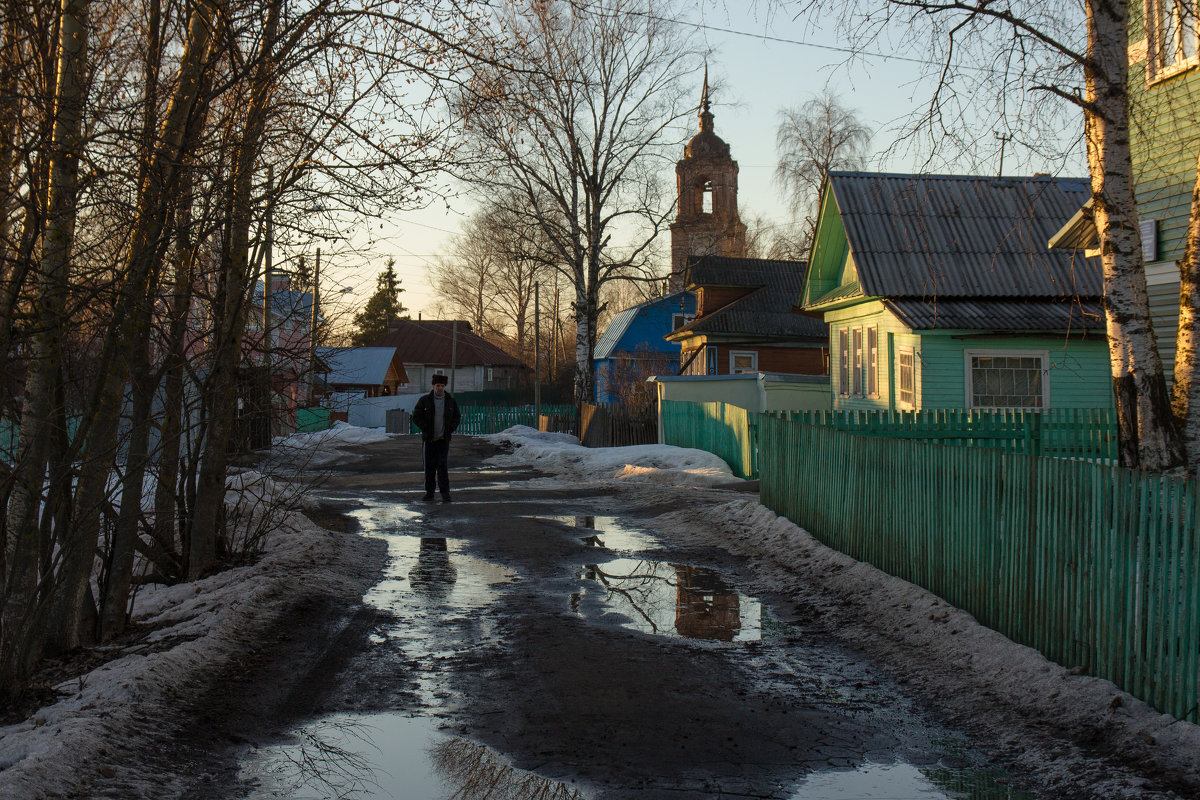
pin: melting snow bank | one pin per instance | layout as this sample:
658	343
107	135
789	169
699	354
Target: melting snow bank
318	449
1049	721
562	454
140	697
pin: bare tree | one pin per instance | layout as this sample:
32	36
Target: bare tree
1028	68
577	124
813	139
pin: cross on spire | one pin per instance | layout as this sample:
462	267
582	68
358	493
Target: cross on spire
706	117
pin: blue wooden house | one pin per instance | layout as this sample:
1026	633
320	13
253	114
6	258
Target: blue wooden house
632	347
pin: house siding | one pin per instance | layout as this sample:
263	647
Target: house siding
1078	373
1164	142
1078	370
891	329
830	256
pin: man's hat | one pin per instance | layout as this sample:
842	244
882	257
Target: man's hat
440	378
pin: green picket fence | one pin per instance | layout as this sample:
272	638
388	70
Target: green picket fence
725	430
483	420
1088	433
1093	565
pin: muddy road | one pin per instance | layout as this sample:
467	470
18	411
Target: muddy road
533	640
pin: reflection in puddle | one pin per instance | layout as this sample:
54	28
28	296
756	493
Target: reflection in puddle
388	756
887	781
435	569
606	532
670	600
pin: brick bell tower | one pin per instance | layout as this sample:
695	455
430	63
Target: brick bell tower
706	179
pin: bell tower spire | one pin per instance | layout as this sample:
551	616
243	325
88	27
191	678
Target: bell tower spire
706	221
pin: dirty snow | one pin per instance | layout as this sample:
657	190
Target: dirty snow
655	463
321	448
52	752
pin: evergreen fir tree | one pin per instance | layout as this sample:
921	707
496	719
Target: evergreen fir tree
383	307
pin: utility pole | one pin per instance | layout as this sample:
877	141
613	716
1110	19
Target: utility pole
312	328
537	354
269	243
453	352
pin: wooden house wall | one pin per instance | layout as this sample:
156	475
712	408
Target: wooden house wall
1165	140
1078	374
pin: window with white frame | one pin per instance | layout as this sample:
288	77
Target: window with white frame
843	362
906	378
873	362
742	361
857	378
1007	379
1171	37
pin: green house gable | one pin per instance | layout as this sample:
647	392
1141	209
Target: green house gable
1013	325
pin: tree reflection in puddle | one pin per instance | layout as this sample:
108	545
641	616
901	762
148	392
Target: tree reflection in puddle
389	756
474	772
671	600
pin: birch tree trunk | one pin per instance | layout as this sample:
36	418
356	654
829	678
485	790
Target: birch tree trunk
21	613
177	137
227	336
1185	401
1148	435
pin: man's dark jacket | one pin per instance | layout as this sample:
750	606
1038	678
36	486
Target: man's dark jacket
423	416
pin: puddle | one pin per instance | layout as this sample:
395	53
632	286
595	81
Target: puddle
360	757
433	569
384	518
668	600
607	532
890	781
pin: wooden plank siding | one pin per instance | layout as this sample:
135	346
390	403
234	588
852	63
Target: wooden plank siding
1165	142
1078	368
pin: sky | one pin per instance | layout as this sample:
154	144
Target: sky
757	66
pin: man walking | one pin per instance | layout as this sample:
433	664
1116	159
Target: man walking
436	414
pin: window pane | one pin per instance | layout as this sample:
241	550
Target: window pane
1006	381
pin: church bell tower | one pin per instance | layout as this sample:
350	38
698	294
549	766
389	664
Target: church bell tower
706	178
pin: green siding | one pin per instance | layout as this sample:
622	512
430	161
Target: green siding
1079	369
1165	141
865	315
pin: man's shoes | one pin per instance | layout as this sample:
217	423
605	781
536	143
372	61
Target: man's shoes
428	496
446	497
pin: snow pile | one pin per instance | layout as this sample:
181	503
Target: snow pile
562	455
946	653
218	618
321	448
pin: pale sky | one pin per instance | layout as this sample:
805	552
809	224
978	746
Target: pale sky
758	66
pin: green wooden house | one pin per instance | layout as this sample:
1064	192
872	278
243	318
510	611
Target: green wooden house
1164	136
940	293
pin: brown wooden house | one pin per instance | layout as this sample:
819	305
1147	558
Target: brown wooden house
746	322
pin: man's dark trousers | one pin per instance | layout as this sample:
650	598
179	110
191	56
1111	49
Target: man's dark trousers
436	468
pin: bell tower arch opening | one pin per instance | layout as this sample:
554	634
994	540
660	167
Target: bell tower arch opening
706	221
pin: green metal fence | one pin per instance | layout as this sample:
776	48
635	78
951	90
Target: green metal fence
481	420
1093	565
312	419
720	428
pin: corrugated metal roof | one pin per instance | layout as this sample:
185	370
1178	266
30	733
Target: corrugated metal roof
765	311
932	236
430	342
846	290
750	272
358	366
615	330
1005	315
